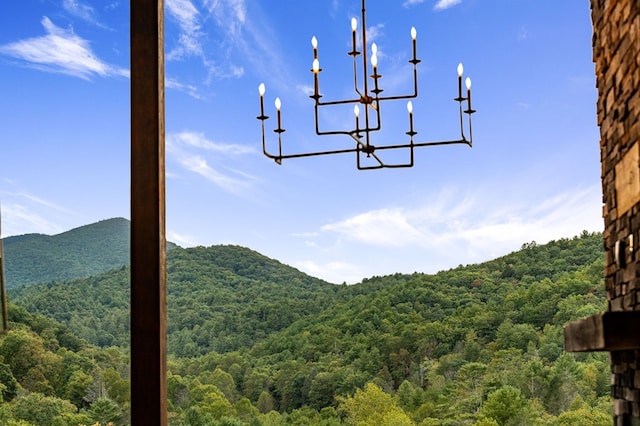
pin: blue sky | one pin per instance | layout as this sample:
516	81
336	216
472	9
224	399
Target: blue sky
533	172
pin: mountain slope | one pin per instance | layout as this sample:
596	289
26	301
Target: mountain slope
224	298
219	298
451	346
80	252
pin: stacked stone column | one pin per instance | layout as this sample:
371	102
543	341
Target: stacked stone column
616	53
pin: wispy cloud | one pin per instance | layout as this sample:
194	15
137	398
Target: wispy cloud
446	4
24	213
188	19
18	219
374	32
410	3
83	11
188	149
190	89
181	240
333	272
377	228
38	200
195	40
61	51
523	34
473	225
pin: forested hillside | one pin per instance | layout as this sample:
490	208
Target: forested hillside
255	342
80	252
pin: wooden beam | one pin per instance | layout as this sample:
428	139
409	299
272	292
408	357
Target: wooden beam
148	239
606	331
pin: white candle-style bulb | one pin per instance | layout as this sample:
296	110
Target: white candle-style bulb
467	82
413	33
374	48
410	107
356	111
278	104
354	24
374	60
261	89
316	66
460	69
314	42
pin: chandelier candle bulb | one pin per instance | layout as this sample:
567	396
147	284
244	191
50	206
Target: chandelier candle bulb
460	70
356	112
468	84
261	90
413	41
316	69
278	106
410	109
314	43
354	26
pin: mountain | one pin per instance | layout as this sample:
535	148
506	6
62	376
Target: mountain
254	341
220	298
80	252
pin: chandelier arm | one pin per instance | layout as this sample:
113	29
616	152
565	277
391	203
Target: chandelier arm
343	102
365	148
278	158
396	98
470	132
462	122
355	77
264	142
376	108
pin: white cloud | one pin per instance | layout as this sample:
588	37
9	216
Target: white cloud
194	41
333	272
189	89
230	15
187	148
18	219
181	239
78	9
198	140
523	34
24	213
61	51
446	4
475	227
385	227
187	17
410	3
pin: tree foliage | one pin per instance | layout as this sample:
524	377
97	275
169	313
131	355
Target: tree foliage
255	342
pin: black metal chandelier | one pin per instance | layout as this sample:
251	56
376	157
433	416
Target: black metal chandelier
370	100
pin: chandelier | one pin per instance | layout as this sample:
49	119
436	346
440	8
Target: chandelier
368	103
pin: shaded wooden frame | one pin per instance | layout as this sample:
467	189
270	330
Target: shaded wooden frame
148	238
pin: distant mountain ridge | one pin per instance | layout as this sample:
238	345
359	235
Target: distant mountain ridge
246	330
80	252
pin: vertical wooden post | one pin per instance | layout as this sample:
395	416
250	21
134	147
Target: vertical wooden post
148	239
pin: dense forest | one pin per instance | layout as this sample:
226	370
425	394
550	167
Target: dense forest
255	342
80	252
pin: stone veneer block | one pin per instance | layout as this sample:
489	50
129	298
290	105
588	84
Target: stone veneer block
628	180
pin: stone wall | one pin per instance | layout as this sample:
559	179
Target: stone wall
616	53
